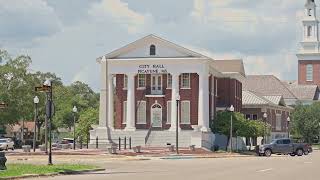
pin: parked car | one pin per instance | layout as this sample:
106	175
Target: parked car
6	144
284	146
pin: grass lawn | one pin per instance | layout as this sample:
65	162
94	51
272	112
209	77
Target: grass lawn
23	169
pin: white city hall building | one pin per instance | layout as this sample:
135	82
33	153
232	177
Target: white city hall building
148	84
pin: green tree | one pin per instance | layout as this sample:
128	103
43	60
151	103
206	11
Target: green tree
241	126
87	118
305	122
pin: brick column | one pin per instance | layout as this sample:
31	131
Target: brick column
130	126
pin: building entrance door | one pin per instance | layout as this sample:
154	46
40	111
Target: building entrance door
156	115
156	84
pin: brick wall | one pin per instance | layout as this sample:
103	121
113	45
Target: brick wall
302	72
185	94
229	93
271	117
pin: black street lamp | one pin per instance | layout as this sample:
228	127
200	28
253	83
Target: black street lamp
265	115
47	86
288	126
231	109
74	110
36	102
177	124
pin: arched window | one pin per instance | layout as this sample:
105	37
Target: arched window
152	50
309	31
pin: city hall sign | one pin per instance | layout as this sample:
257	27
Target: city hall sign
152	69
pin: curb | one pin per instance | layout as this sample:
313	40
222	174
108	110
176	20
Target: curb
53	174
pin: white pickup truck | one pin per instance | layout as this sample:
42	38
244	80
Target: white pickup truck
6	143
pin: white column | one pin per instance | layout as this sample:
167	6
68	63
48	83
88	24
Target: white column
203	106
174	94
110	102
130	126
103	94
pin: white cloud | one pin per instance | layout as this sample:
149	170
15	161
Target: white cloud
23	20
120	13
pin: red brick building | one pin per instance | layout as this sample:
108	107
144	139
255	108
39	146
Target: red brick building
150	82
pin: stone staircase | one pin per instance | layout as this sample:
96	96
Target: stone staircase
161	138
156	138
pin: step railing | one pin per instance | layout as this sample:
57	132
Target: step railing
148	135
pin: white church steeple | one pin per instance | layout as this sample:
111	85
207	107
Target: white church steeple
310	42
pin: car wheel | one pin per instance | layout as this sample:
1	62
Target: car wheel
299	152
306	152
292	154
267	152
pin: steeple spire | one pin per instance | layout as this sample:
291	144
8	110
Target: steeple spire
310	42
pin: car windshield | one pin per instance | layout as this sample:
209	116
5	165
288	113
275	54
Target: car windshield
274	141
3	140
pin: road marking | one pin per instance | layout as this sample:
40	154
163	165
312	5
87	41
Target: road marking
265	170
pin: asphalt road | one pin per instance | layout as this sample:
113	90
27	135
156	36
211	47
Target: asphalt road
243	168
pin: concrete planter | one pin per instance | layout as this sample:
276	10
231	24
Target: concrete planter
3	161
171	148
42	147
192	148
137	149
26	148
65	146
112	150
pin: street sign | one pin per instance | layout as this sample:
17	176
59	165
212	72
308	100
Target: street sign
42	89
48	109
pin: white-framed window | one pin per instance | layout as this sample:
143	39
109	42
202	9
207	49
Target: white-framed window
125	81
169	103
124	112
141	80
278	122
141	112
152	50
309	31
185	80
309	72
185	112
309	12
169	81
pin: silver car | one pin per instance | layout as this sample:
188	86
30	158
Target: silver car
6	144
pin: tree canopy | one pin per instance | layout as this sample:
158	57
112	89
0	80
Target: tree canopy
305	122
241	126
17	89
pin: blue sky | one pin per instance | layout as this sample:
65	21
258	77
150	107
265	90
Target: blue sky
65	37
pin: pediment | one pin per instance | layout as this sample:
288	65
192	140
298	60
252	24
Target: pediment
141	49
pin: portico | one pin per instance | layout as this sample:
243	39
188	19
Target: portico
141	82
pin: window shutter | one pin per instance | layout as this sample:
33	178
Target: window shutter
141	113
124	112
185	112
169	103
